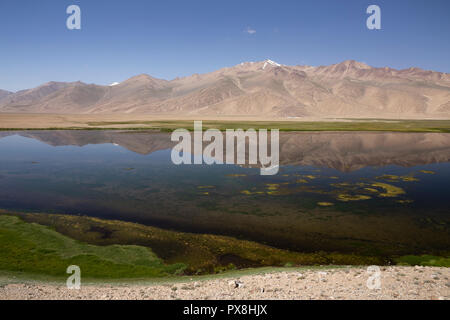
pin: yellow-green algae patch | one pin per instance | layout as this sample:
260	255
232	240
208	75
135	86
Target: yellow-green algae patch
390	190
409	178
272	186
395	178
302	181
236	175
389	177
349	197
427	171
205	187
248	192
341	184
325	204
405	201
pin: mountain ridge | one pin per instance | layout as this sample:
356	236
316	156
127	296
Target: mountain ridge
348	89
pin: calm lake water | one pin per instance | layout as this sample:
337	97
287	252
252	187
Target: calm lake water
387	193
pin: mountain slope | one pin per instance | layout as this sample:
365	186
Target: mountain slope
349	89
4	94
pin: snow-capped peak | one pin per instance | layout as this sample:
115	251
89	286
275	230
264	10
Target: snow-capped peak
273	63
114	84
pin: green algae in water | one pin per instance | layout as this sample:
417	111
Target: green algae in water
325	204
247	192
427	172
348	197
390	190
394	178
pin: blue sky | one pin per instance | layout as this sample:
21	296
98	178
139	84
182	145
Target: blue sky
169	38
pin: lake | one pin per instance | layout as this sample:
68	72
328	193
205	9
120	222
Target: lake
355	192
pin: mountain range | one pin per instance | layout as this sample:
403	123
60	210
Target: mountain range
349	89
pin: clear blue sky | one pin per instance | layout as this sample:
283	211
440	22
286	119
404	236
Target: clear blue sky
167	38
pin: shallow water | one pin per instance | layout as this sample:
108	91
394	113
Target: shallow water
382	193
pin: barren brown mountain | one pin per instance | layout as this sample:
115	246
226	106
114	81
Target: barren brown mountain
4	94
265	89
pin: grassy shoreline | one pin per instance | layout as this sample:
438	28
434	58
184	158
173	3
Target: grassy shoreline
41	246
439	126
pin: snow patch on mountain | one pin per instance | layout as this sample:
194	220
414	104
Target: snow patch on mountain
270	62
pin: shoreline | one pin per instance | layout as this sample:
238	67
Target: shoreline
347	283
133	252
39	122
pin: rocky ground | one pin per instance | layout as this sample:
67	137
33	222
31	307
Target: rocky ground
337	284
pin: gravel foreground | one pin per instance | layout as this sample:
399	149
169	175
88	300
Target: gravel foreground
397	283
